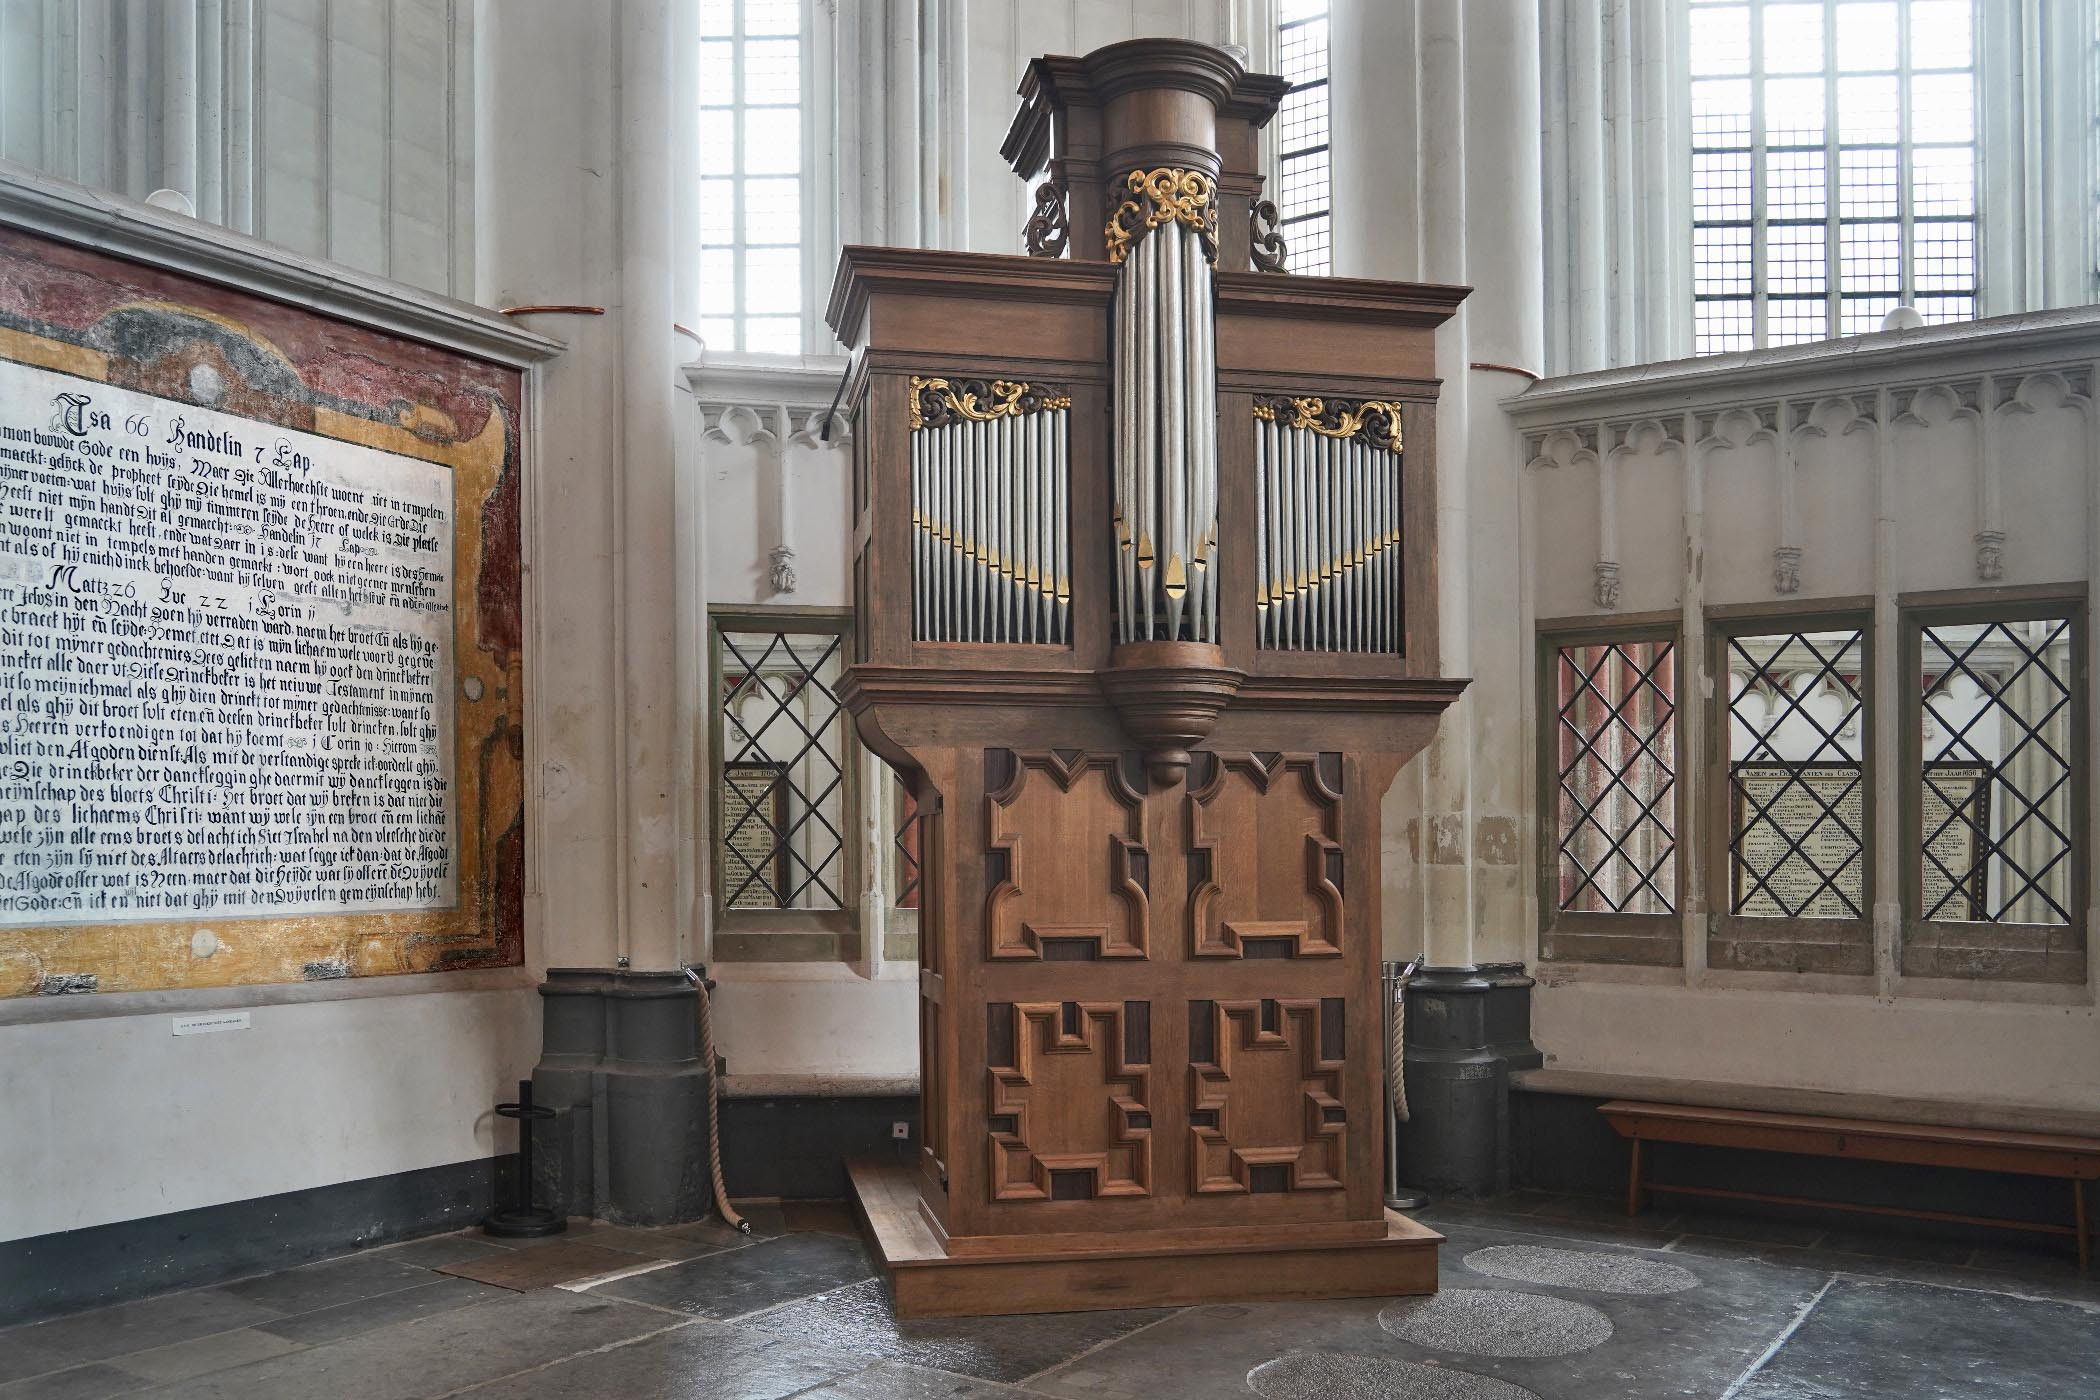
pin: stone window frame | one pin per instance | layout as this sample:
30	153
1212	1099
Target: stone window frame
784	935
1940	951
1575	936
1843	947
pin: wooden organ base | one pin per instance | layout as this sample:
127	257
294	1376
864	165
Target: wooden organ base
1051	1273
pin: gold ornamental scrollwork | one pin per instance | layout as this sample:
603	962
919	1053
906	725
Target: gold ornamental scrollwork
1168	195
935	403
1376	421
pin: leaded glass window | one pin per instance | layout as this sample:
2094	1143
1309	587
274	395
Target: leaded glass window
1833	166
1797	790
751	186
1615	777
1996	797
1304	198
780	781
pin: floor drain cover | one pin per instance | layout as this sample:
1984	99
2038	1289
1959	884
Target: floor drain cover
1598	1271
1325	1375
1481	1322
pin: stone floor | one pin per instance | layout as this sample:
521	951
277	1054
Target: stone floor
1543	1296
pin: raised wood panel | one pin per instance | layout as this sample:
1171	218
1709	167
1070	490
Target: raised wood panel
1265	855
1067	865
1068	1112
1266	1095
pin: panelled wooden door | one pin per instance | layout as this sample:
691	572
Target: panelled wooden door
1167	980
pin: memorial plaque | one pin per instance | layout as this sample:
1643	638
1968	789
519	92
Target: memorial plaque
1957	859
225	664
261	670
754	845
1796	837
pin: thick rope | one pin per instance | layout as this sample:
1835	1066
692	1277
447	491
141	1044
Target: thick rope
1396	1050
714	1110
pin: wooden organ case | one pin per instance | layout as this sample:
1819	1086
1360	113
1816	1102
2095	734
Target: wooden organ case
1146	619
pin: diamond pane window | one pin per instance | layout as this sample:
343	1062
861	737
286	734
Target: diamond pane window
1839	133
781	780
1797	791
1995	781
1303	189
1616	777
905	850
752	159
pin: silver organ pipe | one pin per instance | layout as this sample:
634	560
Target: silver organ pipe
1165	408
1327	512
990	514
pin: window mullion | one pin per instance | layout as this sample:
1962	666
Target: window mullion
741	237
1760	238
1833	183
1906	214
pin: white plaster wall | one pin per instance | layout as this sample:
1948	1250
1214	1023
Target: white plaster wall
822	1023
1998	1053
988	206
1902	449
338	128
116	1118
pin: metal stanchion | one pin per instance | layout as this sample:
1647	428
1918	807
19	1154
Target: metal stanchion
522	1219
1396	978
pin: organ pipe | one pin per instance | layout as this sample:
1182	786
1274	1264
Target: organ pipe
991	483
1164	235
1327	536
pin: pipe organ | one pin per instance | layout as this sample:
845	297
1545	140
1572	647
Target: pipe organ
1146	620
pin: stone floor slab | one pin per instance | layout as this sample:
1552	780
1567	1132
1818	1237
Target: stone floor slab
439	1250
328	1284
370	1314
893	1380
697	1360
90	1382
1884	1340
221	1351
862	1319
740	1281
526	1269
140	1326
435	1355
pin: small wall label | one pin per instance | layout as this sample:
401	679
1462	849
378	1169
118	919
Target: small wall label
210	1021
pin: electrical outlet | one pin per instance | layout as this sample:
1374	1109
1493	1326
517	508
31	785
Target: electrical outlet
901	1131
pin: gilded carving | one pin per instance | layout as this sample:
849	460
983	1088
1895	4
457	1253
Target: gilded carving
1376	421
935	403
1152	198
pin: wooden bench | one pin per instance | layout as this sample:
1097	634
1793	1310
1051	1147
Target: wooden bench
2072	1159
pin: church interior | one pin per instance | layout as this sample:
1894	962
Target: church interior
890	699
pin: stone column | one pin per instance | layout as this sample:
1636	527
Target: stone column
1463	82
578	114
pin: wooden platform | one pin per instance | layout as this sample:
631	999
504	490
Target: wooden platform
1146	1270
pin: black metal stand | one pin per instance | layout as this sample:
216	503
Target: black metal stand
524	1219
